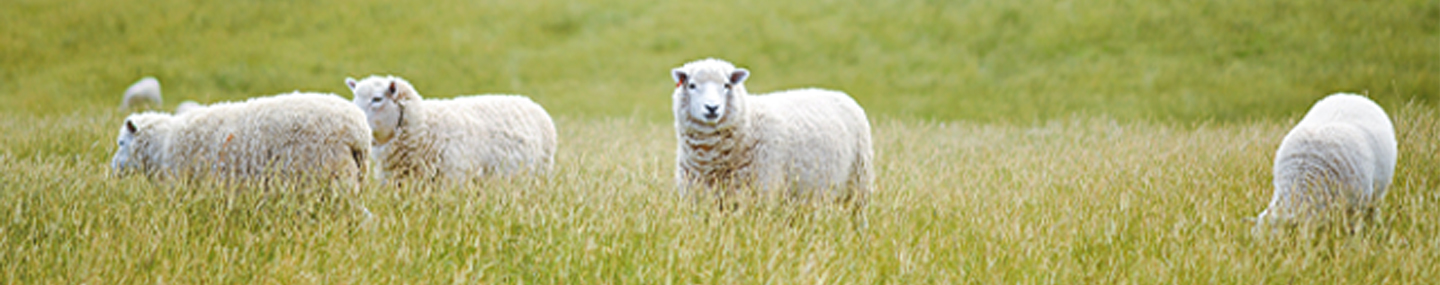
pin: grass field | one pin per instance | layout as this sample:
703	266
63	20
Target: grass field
1017	141
1027	61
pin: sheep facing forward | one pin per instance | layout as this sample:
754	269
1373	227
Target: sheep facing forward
808	142
1338	160
293	137
143	94
458	139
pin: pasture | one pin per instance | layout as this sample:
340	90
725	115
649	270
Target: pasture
1036	141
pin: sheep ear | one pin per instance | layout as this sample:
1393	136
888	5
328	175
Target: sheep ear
679	75
130	126
739	75
350	82
392	92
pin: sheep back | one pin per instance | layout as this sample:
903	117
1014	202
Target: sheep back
143	93
472	136
290	136
818	139
1340	157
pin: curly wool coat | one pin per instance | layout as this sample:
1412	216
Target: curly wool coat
454	139
1341	154
807	142
289	136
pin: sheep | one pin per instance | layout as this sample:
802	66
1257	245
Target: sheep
289	137
1339	159
187	106
143	94
808	142
454	140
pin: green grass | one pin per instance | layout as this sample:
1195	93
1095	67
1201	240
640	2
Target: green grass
1017	141
1072	201
1026	61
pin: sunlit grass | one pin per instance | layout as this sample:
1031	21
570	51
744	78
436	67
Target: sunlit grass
1017	141
1080	200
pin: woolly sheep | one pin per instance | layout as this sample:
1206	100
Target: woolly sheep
458	139
1338	159
187	106
144	93
291	136
809	142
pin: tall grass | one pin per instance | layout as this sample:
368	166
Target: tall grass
1017	141
1079	200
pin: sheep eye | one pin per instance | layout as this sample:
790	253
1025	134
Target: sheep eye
376	99
727	85
691	86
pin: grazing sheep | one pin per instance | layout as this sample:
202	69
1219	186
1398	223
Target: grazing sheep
143	94
808	142
187	106
458	139
1338	160
292	137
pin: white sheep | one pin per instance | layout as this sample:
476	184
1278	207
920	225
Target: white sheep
807	142
187	106
1338	159
290	137
458	139
143	94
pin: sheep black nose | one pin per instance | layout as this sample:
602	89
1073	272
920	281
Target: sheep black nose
711	108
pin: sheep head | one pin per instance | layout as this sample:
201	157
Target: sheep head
383	99
139	132
709	91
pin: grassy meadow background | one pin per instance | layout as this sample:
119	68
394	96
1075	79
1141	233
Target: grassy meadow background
1040	141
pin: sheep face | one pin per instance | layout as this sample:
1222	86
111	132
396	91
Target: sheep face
130	145
383	100
707	94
